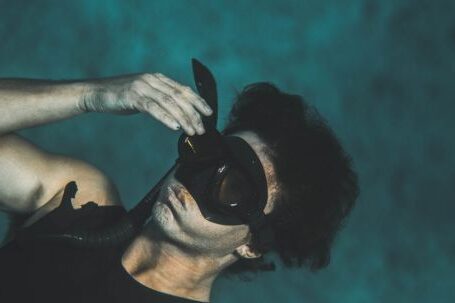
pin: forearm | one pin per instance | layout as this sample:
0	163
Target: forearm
28	102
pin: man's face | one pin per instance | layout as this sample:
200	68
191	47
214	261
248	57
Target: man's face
179	217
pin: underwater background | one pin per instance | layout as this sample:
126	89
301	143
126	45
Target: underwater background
381	72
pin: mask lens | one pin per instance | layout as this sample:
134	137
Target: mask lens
233	191
224	191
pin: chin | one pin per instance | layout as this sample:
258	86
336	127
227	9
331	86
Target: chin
163	219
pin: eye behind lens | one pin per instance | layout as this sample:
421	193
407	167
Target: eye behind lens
231	189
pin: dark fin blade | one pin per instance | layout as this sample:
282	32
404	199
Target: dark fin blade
68	194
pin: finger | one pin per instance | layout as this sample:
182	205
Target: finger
193	115
171	106
195	99
160	114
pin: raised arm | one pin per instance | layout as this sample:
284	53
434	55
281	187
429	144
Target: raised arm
30	177
25	102
29	102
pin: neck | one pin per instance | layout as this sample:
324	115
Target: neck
162	266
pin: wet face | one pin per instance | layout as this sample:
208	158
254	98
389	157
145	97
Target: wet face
177	214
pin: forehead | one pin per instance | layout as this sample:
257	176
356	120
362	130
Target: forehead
261	149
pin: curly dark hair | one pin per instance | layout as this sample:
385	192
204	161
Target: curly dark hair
318	186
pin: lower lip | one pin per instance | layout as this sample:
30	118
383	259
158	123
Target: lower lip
172	198
169	204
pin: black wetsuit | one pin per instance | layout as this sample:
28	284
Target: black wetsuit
51	272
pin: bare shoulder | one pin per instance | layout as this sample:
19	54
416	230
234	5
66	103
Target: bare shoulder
92	184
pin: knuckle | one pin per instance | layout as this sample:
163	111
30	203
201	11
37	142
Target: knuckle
186	90
182	117
164	115
195	116
146	77
176	91
167	99
137	85
169	118
146	104
161	115
142	105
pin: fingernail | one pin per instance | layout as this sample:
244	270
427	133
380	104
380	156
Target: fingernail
200	130
176	126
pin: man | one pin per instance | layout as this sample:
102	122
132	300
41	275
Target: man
307	188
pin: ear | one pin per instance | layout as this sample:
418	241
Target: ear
247	252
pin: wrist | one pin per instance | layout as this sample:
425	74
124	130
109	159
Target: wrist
89	97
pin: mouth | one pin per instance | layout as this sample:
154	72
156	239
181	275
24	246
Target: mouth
171	198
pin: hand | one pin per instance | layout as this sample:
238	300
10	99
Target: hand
171	103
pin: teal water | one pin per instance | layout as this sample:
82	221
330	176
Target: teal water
381	72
